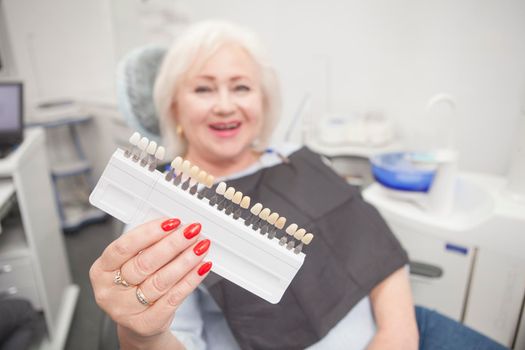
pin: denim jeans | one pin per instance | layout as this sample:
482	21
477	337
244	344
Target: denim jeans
438	332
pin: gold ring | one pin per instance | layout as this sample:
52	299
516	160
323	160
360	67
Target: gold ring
119	280
141	297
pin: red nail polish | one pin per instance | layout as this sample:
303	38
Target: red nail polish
201	247
170	225
204	268
192	230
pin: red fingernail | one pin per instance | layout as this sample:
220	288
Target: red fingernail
201	247
204	268
170	224
192	230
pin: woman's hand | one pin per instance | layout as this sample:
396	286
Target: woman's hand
142	277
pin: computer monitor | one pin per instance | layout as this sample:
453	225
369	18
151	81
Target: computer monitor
11	113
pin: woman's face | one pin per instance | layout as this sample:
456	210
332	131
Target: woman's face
220	106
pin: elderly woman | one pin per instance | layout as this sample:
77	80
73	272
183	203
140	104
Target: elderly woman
218	101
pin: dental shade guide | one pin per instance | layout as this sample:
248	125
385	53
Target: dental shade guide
132	190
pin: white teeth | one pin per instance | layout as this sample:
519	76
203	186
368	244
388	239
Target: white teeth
264	213
229	193
143	143
152	147
177	163
291	229
227	126
209	180
221	188
256	209
307	238
160	154
299	234
273	218
280	222
245	202
134	139
237	197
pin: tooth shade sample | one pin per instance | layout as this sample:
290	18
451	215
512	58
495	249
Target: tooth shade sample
273	218
291	229
186	165
256	209
201	177
143	143
221	188
245	202
299	234
280	223
160	154
229	193
264	213
237	197
152	147
194	172
134	139
209	180
307	238
177	163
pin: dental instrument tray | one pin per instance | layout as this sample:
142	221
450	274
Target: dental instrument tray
405	171
250	246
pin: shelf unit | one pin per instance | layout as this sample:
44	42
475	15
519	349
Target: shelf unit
73	215
33	261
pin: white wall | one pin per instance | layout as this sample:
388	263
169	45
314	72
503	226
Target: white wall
382	55
62	48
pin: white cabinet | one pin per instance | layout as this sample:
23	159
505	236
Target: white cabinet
33	261
482	261
445	291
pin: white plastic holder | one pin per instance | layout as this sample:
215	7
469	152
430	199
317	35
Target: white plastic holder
134	195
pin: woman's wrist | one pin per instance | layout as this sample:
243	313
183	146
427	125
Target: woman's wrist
130	340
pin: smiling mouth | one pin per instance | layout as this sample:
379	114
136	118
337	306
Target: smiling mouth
225	126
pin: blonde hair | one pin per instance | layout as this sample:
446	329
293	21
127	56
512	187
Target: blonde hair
194	46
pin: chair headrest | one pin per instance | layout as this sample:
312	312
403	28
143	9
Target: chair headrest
136	75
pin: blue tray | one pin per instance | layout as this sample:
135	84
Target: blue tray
399	171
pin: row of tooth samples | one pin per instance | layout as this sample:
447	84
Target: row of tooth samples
230	201
144	151
188	176
299	234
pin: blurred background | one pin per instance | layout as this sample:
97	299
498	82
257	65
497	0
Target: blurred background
359	79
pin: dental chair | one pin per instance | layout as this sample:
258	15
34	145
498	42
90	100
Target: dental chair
136	75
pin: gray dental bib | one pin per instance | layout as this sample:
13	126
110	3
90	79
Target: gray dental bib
353	250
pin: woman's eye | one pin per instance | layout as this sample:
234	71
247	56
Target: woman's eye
202	89
242	88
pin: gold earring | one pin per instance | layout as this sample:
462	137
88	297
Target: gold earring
179	131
